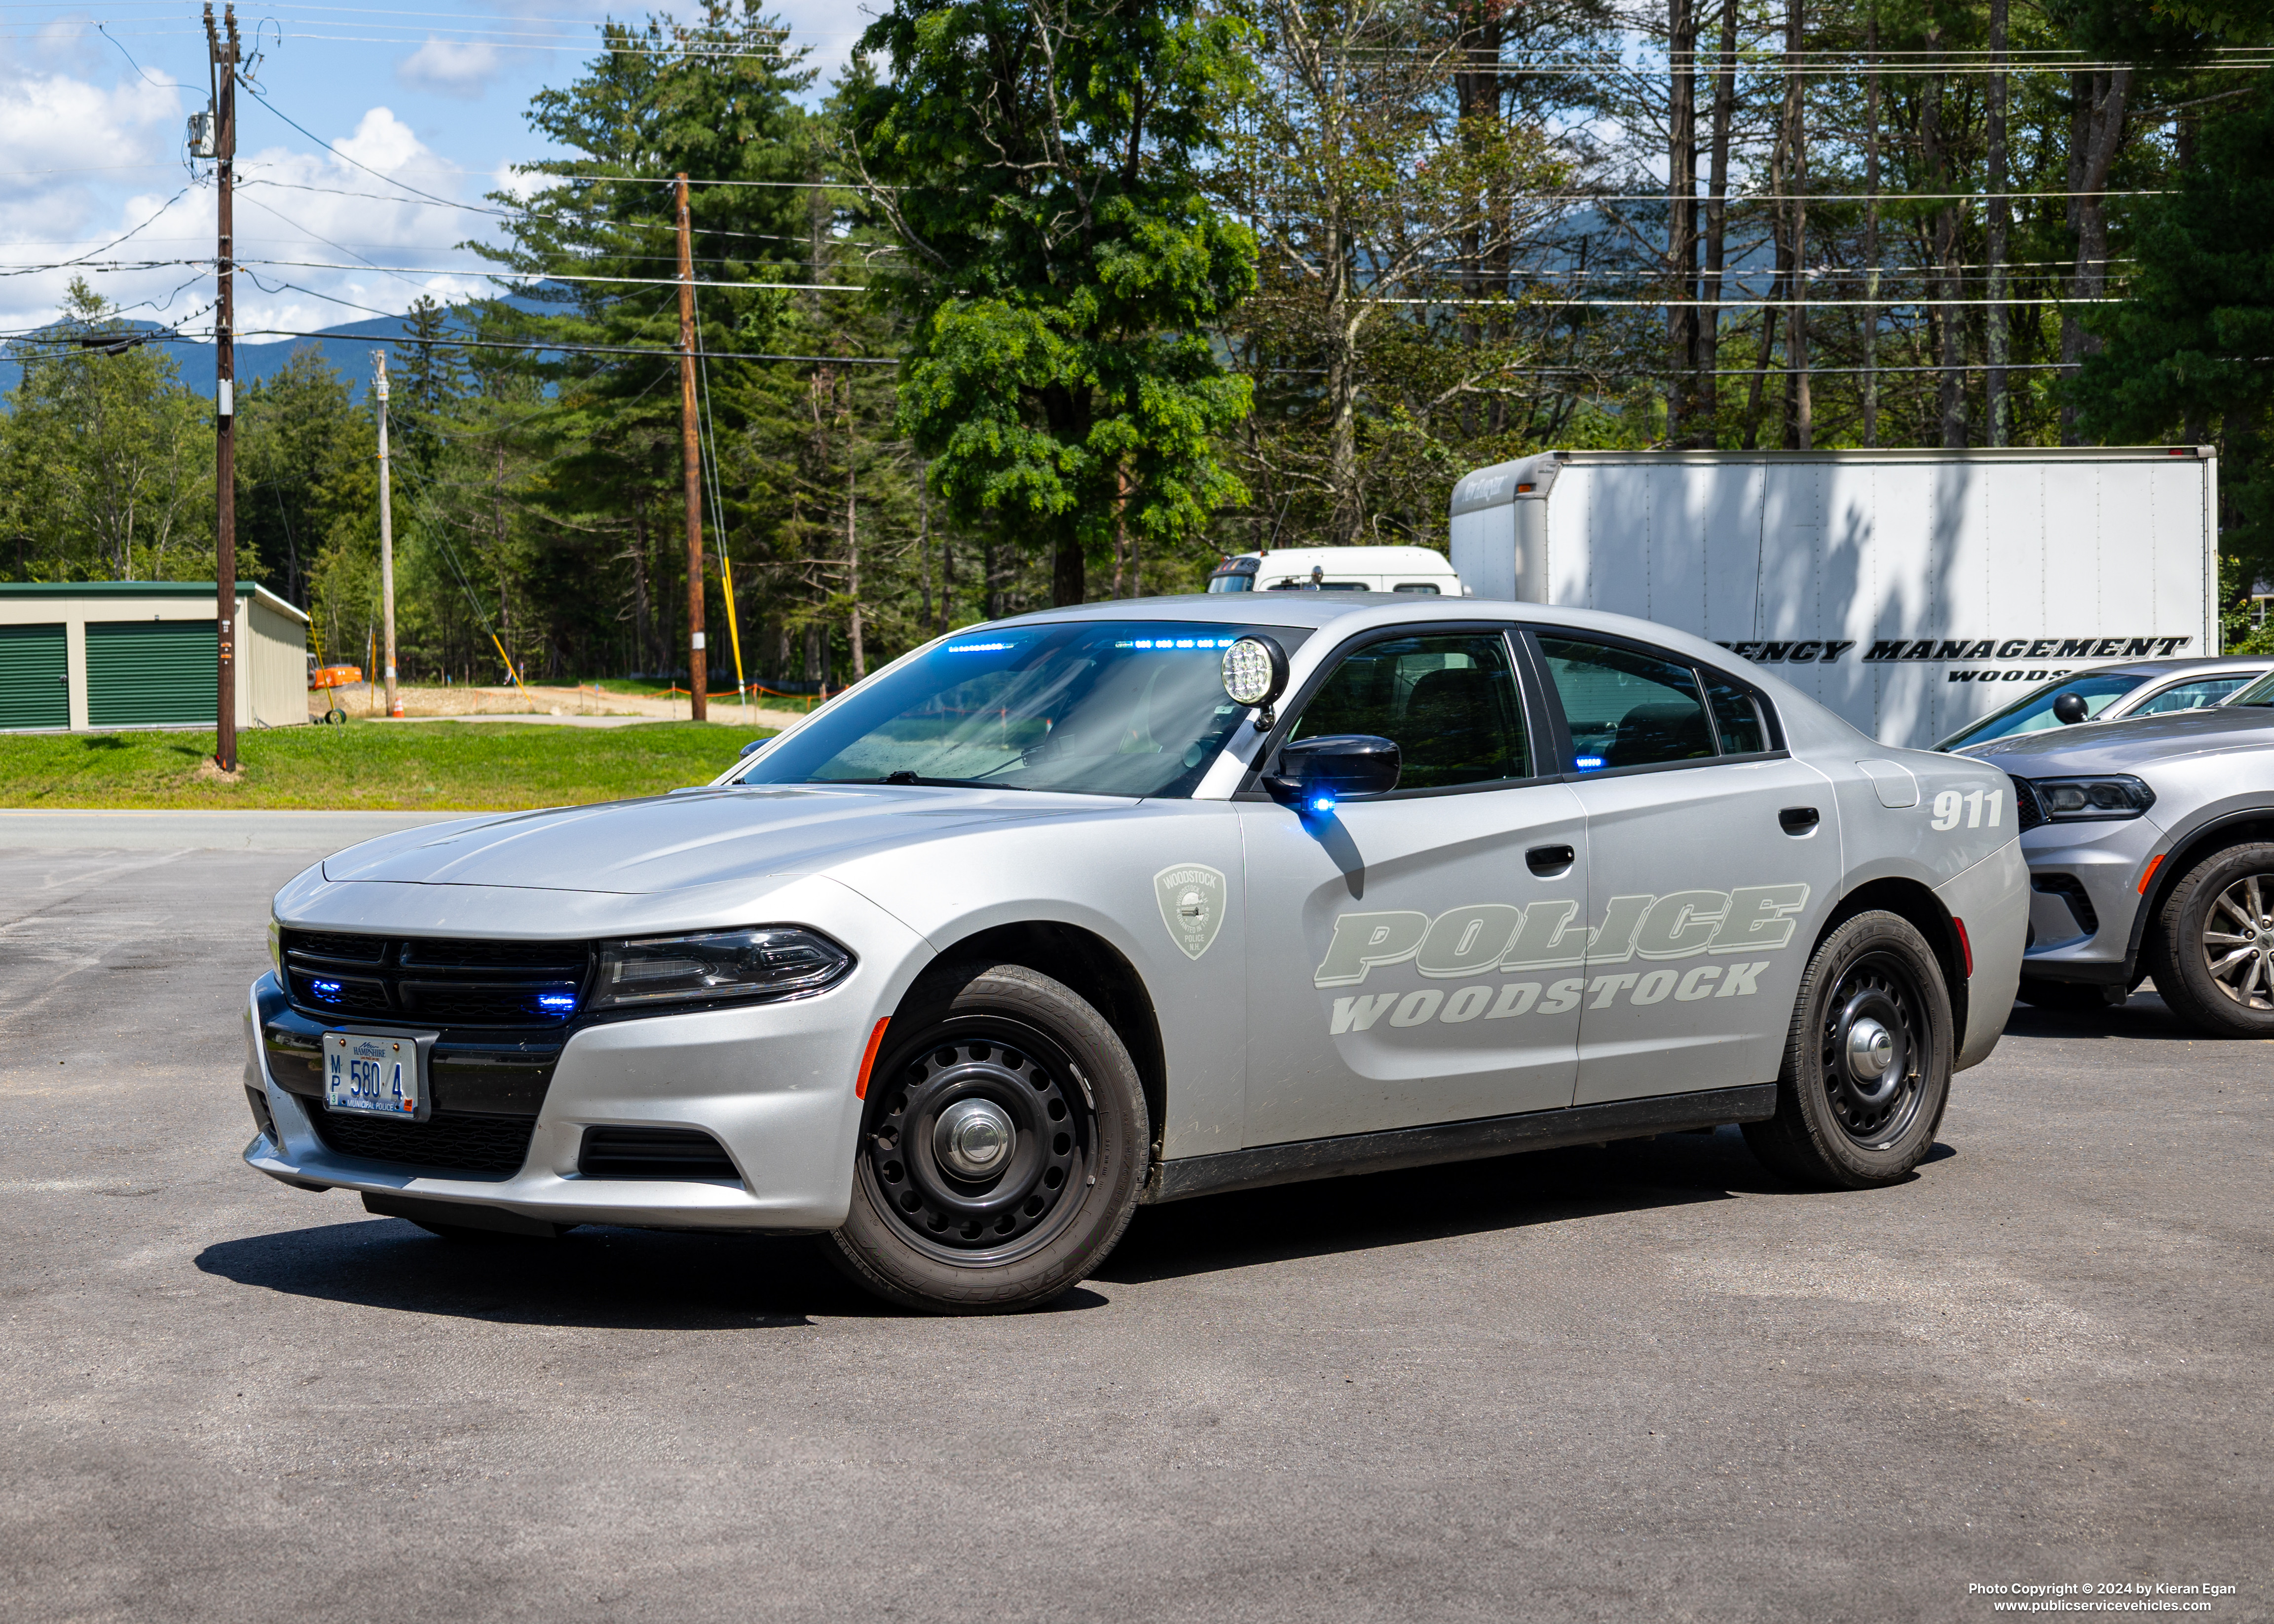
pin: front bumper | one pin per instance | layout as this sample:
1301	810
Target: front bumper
2084	898
772	1083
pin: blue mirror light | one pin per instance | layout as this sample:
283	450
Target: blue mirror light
1320	804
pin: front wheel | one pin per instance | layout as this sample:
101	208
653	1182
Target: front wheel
1002	1148
1867	1062
2212	948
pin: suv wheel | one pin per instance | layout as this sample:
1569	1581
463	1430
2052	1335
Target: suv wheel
1867	1064
1002	1149
2212	948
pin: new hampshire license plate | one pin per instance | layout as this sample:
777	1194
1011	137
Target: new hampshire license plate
364	1072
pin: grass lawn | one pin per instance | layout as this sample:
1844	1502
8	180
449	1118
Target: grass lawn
441	766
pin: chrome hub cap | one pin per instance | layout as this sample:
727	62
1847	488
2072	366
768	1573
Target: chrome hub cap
974	1138
1871	1050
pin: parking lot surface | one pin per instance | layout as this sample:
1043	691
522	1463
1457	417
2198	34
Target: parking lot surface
1639	1382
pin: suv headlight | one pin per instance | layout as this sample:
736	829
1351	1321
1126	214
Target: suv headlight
2078	800
768	961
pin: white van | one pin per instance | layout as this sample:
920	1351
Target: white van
1422	571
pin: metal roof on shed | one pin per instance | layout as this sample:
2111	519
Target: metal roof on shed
143	588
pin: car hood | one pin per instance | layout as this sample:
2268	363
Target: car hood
2128	745
697	837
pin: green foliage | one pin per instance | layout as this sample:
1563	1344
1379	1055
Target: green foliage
106	461
2188	350
1061	267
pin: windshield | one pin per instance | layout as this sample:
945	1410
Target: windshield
1091	706
2259	693
2033	712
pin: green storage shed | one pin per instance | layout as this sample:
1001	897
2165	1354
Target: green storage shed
88	656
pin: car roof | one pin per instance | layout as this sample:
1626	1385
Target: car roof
2178	668
1357	612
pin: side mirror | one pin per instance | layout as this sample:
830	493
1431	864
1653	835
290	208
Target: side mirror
1313	774
747	749
2070	709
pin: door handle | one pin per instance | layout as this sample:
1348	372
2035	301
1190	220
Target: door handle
1548	861
1798	820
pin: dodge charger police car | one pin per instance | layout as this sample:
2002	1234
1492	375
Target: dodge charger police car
1140	901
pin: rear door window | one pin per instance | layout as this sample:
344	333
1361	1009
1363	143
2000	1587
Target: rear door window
1626	708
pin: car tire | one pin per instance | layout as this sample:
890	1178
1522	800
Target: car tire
1839	1123
1003	1146
2211	950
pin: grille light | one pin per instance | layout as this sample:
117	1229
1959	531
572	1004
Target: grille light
557	1003
765	961
328	991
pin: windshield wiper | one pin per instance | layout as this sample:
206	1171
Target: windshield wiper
897	778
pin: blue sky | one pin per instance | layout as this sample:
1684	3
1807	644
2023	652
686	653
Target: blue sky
92	145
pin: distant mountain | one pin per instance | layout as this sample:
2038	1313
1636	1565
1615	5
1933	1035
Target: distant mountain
347	348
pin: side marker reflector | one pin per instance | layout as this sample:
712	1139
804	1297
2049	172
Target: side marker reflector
1965	945
869	1058
2147	874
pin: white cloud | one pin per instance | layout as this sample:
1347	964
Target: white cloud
52	121
446	68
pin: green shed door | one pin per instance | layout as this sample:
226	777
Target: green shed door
33	692
146	673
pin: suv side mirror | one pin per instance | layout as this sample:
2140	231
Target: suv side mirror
2070	709
1313	774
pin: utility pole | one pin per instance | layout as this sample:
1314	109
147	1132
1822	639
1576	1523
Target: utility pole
386	539
224	73
692	457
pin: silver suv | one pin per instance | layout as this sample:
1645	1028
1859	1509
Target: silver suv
2110	693
2151	847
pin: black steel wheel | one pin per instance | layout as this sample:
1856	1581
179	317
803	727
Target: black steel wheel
2212	947
981	1141
1867	1060
1003	1146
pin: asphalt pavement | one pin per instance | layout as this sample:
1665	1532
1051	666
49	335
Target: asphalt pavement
1642	1382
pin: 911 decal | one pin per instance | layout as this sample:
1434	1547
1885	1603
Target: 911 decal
1981	809
1486	936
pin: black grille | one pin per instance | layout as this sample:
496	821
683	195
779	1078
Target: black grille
654	1153
430	981
2070	890
493	1145
2029	811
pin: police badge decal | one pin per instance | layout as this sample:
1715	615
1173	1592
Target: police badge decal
1192	905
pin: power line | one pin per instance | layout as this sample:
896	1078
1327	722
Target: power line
510	276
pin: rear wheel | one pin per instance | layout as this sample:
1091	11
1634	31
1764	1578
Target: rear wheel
1867	1062
2212	948
1002	1148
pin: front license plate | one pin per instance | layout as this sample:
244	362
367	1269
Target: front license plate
366	1073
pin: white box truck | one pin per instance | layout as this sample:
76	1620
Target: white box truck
1912	592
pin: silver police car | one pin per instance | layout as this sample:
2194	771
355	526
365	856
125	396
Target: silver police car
1143	900
2150	845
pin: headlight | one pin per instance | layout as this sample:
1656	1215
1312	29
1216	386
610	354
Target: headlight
2079	800
769	961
